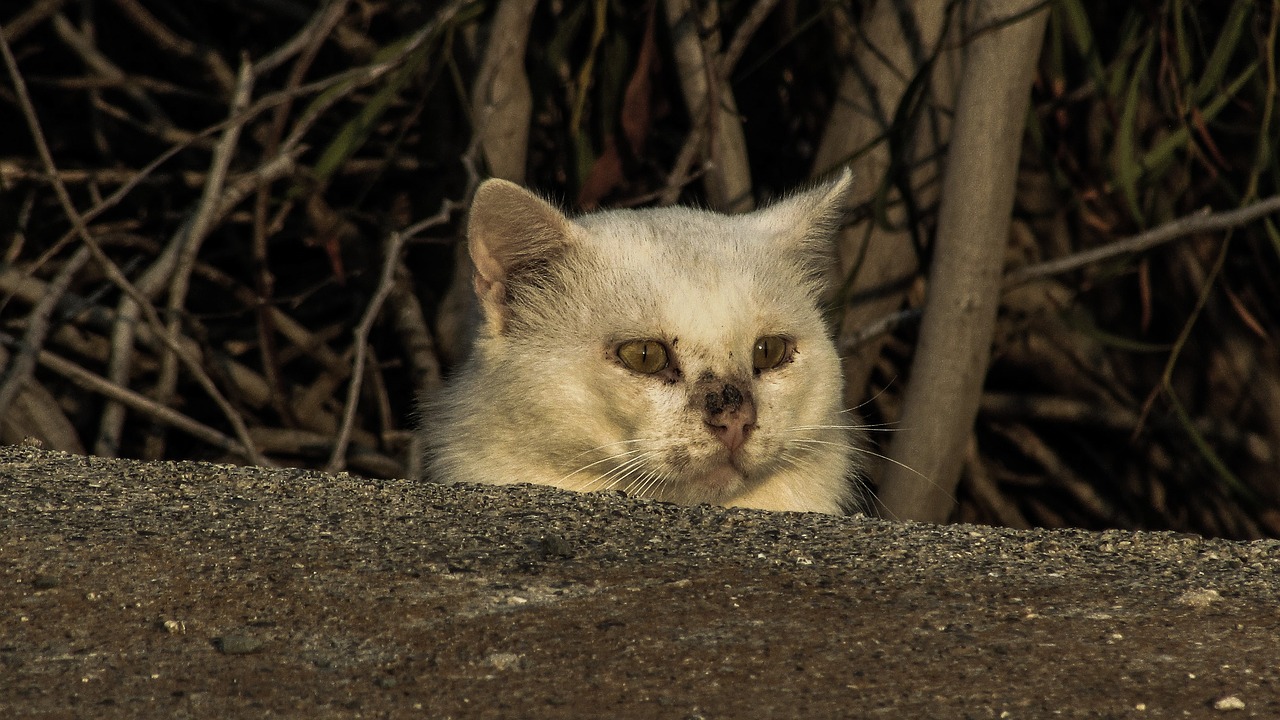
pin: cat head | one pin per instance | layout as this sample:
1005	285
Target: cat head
516	240
672	352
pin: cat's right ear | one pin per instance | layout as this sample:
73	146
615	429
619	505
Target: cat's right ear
511	233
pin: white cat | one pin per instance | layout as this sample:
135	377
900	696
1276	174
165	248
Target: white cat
672	353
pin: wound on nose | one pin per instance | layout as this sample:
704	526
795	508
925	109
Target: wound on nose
729	399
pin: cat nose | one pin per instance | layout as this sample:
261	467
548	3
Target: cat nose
730	415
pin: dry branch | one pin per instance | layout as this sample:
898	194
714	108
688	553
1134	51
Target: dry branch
139	403
878	257
696	38
169	41
112	270
33	16
18	368
360	349
1203	221
950	363
199	229
501	101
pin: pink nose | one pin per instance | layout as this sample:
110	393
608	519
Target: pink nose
730	415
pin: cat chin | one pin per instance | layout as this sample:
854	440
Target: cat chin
722	482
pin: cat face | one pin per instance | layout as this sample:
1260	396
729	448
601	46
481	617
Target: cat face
700	358
672	353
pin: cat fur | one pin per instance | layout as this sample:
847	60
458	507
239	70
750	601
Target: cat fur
543	397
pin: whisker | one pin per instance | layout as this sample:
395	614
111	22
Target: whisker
613	475
643	484
655	484
611	444
625	470
878	427
865	451
873	398
605	459
657	445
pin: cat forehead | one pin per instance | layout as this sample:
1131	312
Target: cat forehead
683	256
704	277
682	237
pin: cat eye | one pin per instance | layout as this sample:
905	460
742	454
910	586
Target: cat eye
770	352
643	356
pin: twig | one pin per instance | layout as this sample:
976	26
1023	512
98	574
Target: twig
34	15
710	103
386	285
138	301
1202	221
11	172
746	30
23	362
135	401
166	39
193	238
356	77
308	42
986	493
108	266
98	319
451	206
361	456
1051	462
320	24
681	174
394	244
414	333
369	74
1115	418
883	326
102	65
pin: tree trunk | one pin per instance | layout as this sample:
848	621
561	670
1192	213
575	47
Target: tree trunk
950	361
877	261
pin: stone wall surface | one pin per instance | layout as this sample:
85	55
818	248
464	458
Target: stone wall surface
134	589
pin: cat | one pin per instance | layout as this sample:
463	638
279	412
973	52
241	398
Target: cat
672	353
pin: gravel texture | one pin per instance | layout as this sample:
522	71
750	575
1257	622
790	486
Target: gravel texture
178	590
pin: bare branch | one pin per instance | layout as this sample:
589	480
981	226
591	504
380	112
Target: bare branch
893	47
33	16
711	104
137	402
112	270
168	40
950	363
747	30
501	102
1202	221
18	372
360	346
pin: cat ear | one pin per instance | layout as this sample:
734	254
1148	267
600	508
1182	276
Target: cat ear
510	232
806	221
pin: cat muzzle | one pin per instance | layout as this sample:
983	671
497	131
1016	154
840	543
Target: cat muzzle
730	415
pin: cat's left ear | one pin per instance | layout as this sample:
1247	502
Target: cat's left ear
806	221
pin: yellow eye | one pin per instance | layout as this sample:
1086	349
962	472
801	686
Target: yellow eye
770	352
643	356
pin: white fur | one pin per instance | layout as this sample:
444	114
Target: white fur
542	398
